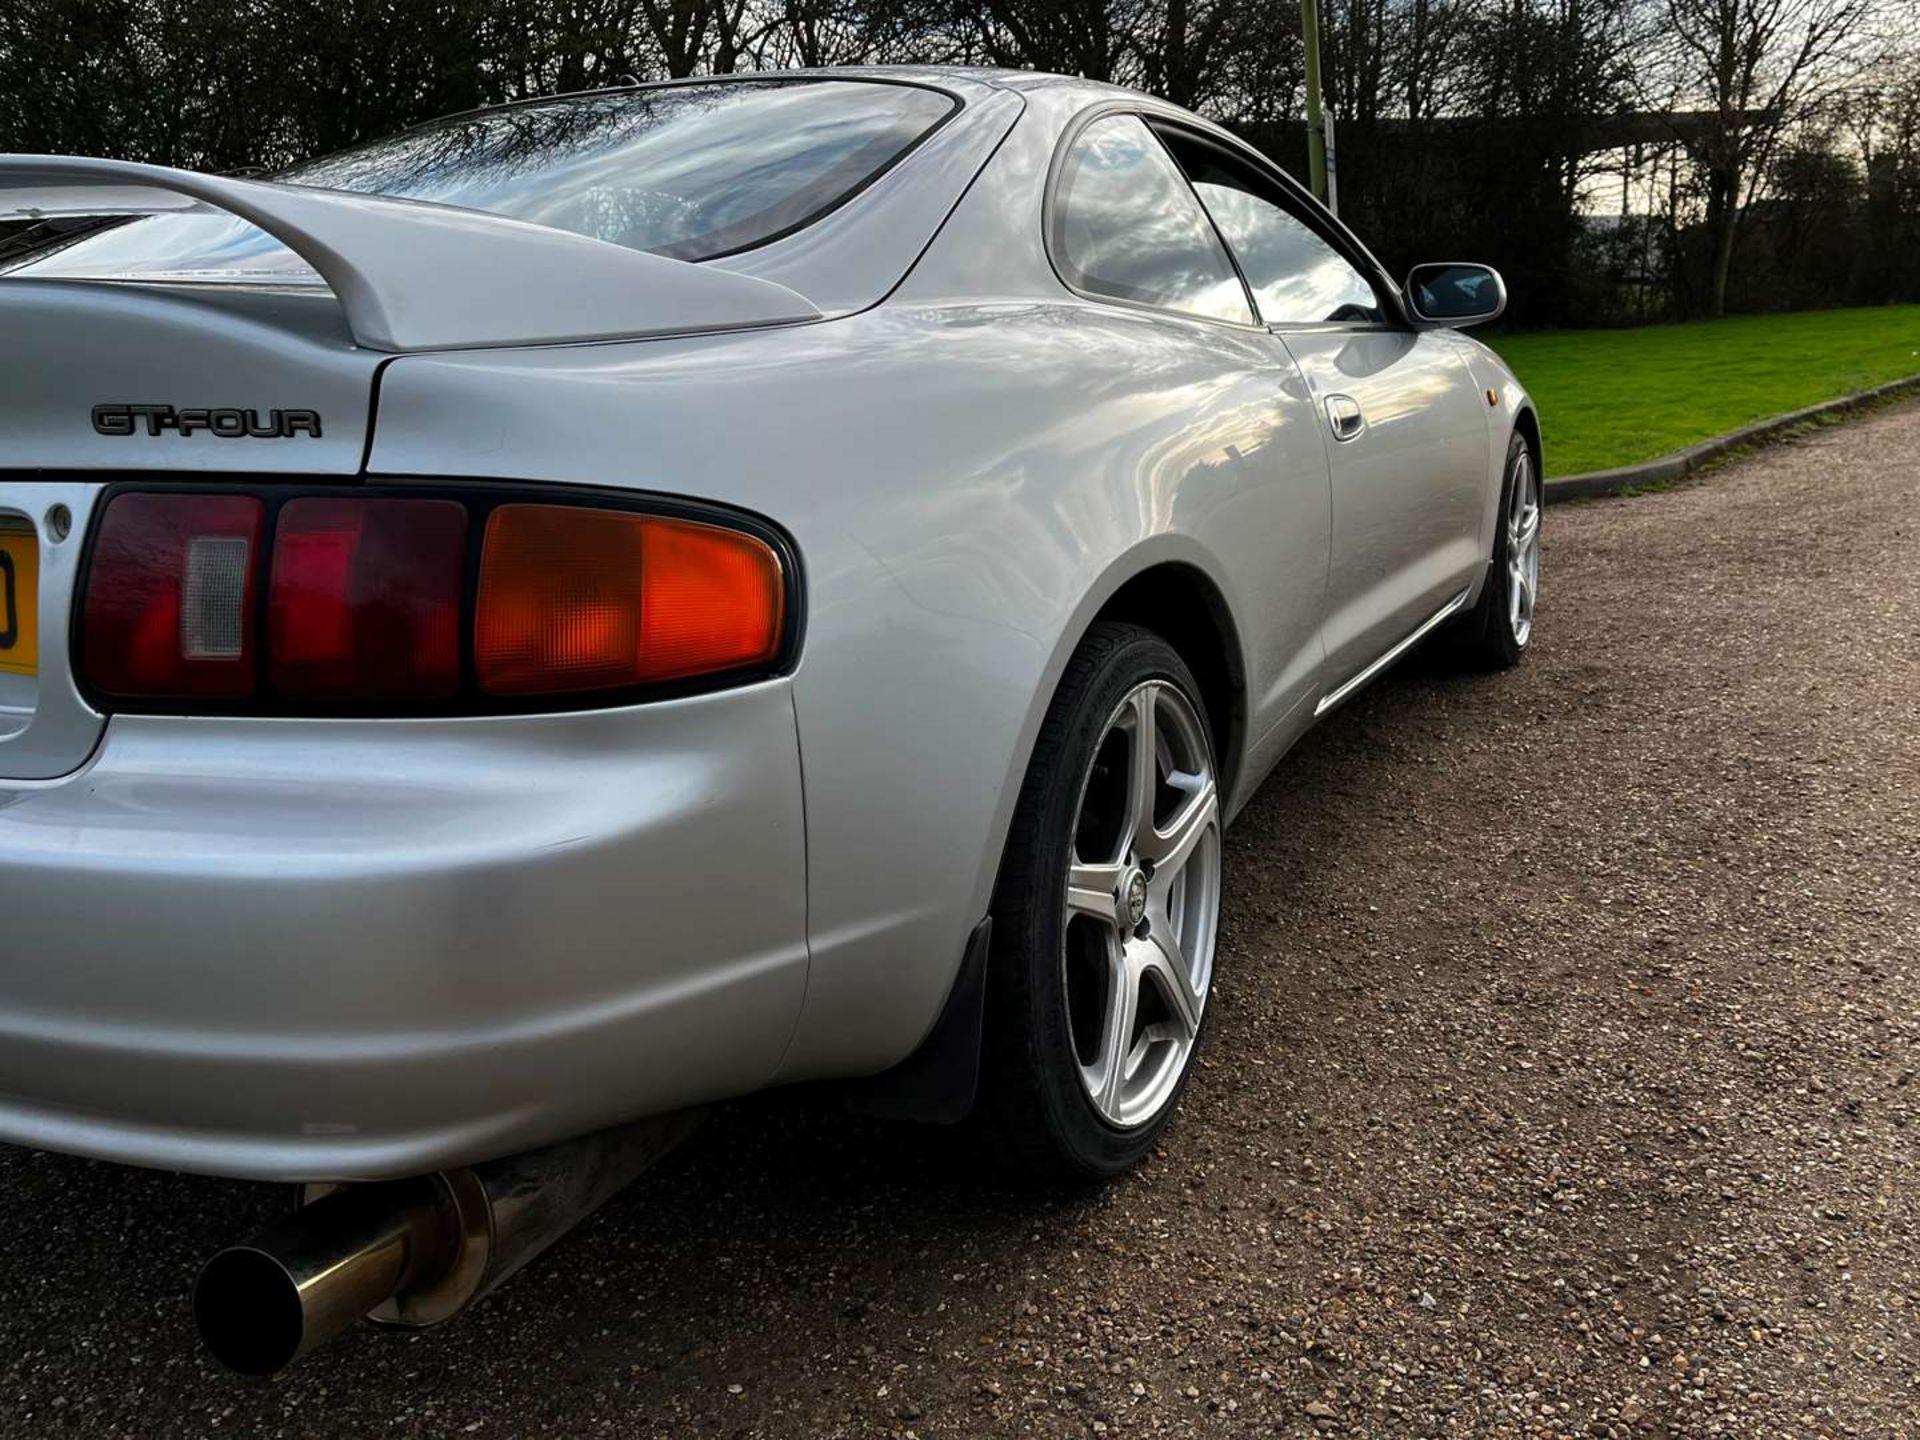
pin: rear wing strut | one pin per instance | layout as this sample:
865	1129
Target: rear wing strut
417	276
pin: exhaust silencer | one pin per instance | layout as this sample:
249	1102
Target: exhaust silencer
413	1252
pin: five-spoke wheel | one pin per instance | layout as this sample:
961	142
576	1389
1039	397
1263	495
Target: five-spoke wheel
1143	903
1107	913
1523	546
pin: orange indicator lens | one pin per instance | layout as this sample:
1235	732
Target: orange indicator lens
575	599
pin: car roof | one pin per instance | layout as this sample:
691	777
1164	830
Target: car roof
997	77
964	81
1000	77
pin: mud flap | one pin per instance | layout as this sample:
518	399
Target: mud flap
938	1083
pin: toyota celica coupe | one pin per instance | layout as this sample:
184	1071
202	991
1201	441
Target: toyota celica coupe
593	607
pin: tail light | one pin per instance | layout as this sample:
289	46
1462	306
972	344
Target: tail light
407	603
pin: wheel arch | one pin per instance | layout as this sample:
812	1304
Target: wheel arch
1177	599
1527	424
1180	603
1165	575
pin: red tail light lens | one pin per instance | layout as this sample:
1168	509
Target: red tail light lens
365	599
391	599
170	597
580	599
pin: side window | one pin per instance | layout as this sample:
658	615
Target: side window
1297	277
1125	225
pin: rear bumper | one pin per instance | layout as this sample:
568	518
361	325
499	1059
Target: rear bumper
295	950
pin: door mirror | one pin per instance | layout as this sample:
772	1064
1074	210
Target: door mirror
1455	294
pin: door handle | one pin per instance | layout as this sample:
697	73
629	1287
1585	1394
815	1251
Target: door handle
1344	417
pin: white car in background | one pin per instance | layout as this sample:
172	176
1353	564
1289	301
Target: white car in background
593	607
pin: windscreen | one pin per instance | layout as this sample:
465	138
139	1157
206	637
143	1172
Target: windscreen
686	171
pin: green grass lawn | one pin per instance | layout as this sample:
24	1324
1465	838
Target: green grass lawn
1613	397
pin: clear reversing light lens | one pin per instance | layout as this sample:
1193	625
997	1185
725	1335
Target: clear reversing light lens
213	598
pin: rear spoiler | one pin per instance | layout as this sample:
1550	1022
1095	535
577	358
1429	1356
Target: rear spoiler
417	276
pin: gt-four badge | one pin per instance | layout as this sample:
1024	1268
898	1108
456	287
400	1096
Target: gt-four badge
226	424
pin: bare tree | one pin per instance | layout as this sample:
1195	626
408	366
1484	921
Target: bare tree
1183	47
1760	68
815	33
1094	38
693	35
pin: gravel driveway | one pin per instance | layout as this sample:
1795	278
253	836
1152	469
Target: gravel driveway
1561	1081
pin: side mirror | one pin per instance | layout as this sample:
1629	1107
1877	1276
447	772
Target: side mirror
1455	294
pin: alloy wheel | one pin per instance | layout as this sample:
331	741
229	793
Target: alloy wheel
1523	547
1142	904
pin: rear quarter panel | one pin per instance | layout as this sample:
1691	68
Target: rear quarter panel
965	485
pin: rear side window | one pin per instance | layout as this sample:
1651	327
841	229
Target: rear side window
1297	277
687	171
1125	225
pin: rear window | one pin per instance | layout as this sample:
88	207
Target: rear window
687	171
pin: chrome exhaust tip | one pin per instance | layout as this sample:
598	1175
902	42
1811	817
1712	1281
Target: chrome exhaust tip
261	1305
409	1253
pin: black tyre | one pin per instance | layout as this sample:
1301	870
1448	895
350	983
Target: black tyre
1494	635
1106	915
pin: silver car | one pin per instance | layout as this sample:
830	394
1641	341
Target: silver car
598	606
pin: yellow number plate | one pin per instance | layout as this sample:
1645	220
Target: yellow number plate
19	596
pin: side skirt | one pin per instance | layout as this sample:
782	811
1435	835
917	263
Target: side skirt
1427	627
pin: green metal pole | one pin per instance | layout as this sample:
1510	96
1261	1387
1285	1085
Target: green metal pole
1316	117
